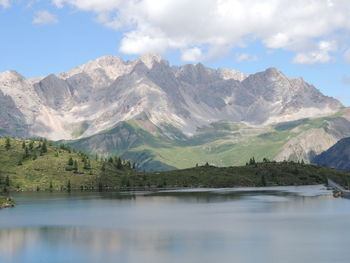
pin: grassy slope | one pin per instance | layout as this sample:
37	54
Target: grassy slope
228	146
50	167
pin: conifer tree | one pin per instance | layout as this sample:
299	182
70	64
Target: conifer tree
68	186
70	161
75	166
43	147
119	163
7	181
31	145
26	152
7	143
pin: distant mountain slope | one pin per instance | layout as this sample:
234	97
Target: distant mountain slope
221	143
338	156
100	94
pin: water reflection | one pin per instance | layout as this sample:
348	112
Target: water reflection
295	224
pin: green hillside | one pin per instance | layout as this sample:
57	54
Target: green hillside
36	165
221	143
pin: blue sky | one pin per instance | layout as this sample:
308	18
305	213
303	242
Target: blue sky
40	37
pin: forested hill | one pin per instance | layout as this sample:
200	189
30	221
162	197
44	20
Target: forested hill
37	165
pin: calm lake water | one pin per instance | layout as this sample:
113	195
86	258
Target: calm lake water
282	224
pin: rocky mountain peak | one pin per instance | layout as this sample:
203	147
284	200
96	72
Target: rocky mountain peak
10	76
106	91
226	74
150	59
106	61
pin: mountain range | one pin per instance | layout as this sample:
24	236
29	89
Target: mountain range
166	117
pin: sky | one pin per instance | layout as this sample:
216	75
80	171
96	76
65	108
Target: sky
307	38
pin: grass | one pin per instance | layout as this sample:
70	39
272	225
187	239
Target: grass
224	144
38	171
50	171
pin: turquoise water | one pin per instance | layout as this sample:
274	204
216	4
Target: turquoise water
283	224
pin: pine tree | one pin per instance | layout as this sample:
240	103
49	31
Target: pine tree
252	161
263	180
7	143
70	161
86	163
31	145
23	144
7	181
43	147
119	163
75	166
26	152
68	186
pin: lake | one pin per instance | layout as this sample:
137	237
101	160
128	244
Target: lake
275	224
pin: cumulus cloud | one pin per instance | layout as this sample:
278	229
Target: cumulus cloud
44	17
5	3
191	54
244	57
317	55
91	5
216	25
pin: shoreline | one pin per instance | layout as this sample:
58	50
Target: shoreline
169	188
6	202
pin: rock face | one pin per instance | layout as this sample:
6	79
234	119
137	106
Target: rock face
306	145
338	156
102	93
312	142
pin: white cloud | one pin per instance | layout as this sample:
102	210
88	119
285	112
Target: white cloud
318	55
5	3
191	54
241	57
218	24
44	17
138	43
91	5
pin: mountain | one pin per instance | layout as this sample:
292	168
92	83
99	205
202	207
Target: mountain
98	95
338	156
221	143
167	117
